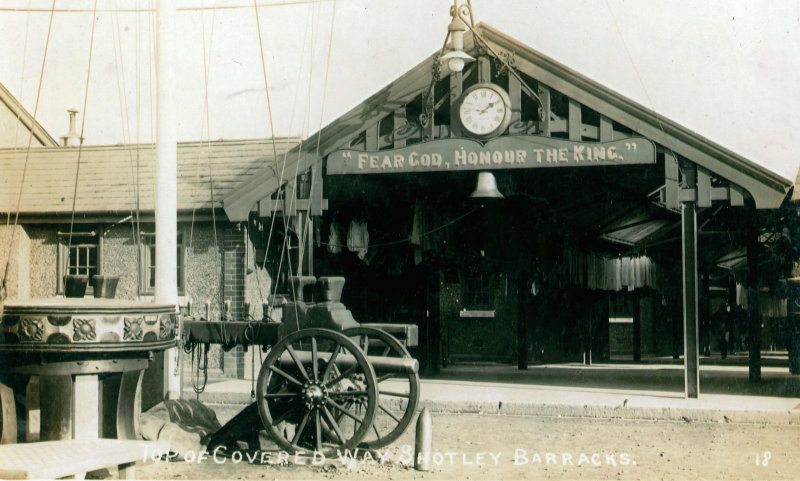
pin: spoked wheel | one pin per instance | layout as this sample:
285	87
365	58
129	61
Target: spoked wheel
316	392
398	393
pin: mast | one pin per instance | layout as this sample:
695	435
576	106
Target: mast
166	285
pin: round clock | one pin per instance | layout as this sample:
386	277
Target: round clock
484	110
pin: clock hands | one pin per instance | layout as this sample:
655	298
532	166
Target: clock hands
483	109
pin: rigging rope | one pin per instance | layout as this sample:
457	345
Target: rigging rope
300	236
275	156
291	123
133	184
3	287
83	125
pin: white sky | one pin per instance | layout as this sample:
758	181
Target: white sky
727	69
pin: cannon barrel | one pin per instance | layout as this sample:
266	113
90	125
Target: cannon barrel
401	365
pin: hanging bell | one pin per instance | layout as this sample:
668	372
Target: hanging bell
486	188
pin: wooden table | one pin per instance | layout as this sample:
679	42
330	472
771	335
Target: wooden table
89	354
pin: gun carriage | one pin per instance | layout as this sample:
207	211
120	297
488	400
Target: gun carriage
327	382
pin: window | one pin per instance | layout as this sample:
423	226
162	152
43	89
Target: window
78	254
477	293
147	264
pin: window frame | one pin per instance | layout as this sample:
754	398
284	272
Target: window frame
483	292
63	255
146	242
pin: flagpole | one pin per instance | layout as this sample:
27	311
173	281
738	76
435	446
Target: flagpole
166	285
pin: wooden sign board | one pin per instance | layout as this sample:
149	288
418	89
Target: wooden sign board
510	152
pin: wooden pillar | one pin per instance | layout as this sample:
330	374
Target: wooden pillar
674	309
637	326
689	255
86	406
8	419
435	278
753	314
522	322
456	87
705	316
599	340
55	407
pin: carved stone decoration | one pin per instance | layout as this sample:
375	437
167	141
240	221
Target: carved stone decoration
58	338
83	330
133	329
31	330
59	321
167	327
109	337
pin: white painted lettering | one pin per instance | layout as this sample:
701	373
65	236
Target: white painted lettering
577	153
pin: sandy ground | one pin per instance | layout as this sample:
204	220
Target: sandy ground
475	446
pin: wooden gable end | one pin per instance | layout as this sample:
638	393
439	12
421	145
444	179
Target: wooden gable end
548	99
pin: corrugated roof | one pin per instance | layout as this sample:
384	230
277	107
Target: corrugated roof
107	177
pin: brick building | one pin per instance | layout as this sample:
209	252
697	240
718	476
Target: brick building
110	230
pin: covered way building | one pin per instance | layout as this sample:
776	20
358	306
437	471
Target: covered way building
604	210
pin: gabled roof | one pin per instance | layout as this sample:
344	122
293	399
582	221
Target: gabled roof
107	177
16	109
767	188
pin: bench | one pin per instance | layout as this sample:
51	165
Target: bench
75	457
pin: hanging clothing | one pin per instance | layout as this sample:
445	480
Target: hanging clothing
334	247
416	224
358	238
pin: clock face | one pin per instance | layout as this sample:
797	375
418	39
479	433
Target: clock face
484	110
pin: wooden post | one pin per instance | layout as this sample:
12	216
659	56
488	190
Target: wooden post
456	87
689	255
574	120
8	430
86	406
637	326
606	129
753	314
522	322
55	405
484	69
705	318
515	96
544	121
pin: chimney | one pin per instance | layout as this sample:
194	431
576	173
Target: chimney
73	137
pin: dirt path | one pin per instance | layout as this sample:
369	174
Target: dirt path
474	447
